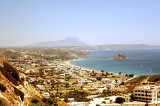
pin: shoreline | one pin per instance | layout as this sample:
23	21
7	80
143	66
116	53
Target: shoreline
68	62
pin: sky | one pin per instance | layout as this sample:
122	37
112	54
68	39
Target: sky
24	22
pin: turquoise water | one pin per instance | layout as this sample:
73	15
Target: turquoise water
140	62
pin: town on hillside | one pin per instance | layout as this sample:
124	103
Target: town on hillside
38	77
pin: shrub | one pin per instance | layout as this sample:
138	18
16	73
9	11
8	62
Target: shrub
99	78
38	104
48	101
120	100
35	101
104	102
2	88
66	99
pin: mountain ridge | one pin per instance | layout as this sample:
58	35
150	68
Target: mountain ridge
68	42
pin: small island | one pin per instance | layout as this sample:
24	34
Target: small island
119	57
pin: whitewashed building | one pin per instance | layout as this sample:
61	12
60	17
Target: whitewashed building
147	93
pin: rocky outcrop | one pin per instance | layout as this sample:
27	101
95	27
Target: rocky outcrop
10	73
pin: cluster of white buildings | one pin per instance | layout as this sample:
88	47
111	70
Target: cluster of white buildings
147	93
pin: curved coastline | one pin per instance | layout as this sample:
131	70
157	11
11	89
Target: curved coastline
68	62
140	62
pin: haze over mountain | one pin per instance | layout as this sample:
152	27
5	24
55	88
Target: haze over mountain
75	43
117	47
67	42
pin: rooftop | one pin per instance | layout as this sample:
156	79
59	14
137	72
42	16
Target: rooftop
148	87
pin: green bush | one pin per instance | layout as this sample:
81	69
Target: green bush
38	104
2	88
120	100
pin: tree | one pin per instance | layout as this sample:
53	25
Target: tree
120	73
66	99
2	88
107	73
131	75
102	71
122	83
120	100
116	81
126	75
99	78
106	92
132	98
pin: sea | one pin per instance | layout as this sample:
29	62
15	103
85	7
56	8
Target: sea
140	61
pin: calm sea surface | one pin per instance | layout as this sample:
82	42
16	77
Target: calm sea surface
140	62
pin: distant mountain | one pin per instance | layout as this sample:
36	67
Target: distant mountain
68	42
117	47
127	46
76	44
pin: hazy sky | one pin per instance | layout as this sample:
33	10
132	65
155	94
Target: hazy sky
24	22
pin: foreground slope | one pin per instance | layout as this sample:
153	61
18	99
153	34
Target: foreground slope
13	90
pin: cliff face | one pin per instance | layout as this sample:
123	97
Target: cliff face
14	91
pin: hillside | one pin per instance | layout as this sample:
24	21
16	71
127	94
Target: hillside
141	80
14	89
145	78
10	53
